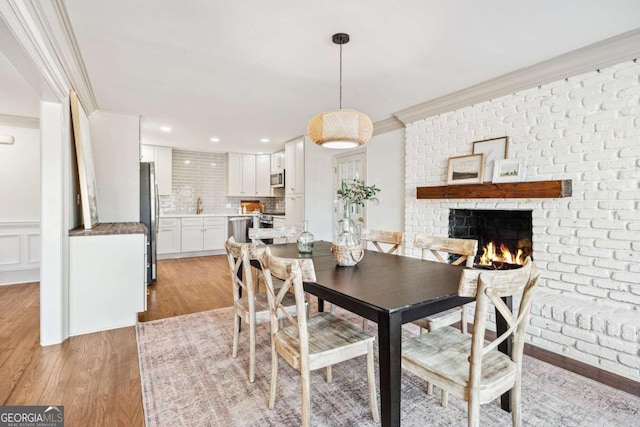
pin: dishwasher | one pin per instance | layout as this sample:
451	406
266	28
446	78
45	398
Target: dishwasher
266	221
239	228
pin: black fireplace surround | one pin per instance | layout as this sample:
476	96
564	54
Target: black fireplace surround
509	227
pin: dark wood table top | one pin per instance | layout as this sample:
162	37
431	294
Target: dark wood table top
385	282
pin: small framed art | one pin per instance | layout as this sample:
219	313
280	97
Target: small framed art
465	169
493	149
509	170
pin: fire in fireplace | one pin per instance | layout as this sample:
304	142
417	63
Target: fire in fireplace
504	237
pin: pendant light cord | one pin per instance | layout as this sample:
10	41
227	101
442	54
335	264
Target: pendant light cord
341	77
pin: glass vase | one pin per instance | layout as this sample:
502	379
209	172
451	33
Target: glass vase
305	241
347	250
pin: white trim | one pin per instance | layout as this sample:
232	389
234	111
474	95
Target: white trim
21	223
624	47
387	125
20	121
19	275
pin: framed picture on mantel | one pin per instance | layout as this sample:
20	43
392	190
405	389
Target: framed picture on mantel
493	149
465	169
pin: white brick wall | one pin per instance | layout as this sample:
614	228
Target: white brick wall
587	129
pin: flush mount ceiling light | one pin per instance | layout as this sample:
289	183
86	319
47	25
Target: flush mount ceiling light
165	129
215	139
340	128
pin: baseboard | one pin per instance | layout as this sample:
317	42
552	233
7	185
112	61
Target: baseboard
191	254
600	375
13	277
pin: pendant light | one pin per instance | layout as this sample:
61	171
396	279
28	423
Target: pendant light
340	128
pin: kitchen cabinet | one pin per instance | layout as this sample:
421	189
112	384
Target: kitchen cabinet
277	162
107	286
294	208
168	236
162	158
202	234
294	167
263	175
241	175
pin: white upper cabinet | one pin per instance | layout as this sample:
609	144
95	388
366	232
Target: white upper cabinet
242	175
263	178
162	157
294	167
277	162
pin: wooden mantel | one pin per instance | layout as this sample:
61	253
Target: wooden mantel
507	190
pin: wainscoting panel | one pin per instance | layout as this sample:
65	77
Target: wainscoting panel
19	252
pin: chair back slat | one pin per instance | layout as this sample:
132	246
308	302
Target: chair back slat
238	258
434	245
256	234
375	237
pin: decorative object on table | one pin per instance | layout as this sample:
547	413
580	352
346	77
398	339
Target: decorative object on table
509	170
347	249
494	149
305	240
340	128
465	169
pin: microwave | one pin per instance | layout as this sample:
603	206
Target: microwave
277	180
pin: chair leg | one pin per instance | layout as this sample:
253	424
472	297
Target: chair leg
444	398
274	376
463	319
429	388
372	384
365	324
236	332
516	415
329	375
252	348
306	396
473	410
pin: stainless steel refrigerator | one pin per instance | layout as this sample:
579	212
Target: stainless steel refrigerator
149	214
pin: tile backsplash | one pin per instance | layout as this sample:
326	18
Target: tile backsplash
198	174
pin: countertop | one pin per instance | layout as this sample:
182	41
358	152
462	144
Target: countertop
110	228
192	215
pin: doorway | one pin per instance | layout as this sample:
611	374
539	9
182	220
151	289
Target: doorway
350	166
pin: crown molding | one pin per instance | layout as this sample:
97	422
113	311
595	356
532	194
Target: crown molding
387	125
43	29
20	121
623	47
55	21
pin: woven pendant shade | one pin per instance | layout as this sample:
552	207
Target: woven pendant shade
340	129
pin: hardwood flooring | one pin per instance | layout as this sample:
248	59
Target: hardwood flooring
96	376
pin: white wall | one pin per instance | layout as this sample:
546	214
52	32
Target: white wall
586	129
116	149
385	169
20	175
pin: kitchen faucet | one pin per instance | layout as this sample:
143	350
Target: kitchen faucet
199	207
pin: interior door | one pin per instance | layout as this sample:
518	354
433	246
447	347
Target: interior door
350	166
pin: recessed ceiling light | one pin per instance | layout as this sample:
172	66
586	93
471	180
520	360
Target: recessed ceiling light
213	164
260	152
187	162
165	129
215	139
264	140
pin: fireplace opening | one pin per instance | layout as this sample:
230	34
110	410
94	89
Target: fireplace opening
504	236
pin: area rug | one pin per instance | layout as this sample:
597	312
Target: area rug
190	379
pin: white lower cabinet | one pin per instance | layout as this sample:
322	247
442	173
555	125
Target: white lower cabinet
202	234
107	285
168	239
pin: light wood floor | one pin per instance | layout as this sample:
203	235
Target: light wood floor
96	376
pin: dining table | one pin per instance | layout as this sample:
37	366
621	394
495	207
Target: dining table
389	290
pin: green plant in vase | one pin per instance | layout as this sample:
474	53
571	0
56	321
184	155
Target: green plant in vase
347	249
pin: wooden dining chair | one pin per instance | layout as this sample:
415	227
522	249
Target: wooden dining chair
466	249
248	305
310	343
257	234
375	237
463	365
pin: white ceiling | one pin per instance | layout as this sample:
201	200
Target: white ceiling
250	69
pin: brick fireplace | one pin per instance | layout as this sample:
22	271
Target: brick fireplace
585	129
